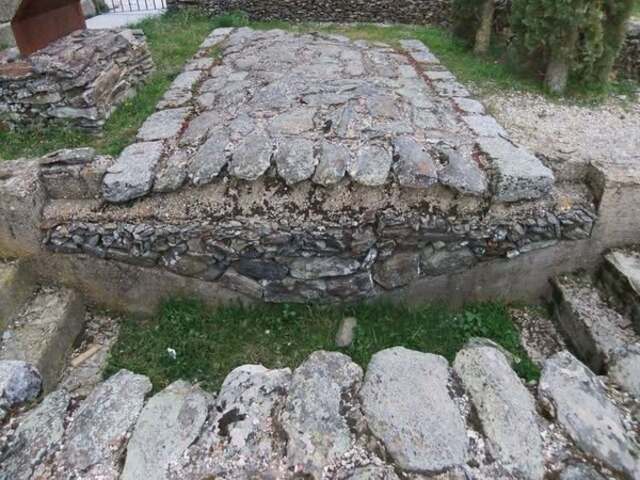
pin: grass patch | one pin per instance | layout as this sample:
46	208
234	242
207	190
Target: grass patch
209	343
173	39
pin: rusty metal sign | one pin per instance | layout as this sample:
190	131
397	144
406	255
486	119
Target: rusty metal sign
37	23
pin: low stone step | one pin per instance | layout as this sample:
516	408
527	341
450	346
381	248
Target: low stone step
590	326
578	401
620	275
15	288
44	331
506	410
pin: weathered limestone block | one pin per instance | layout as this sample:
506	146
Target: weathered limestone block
319	267
16	285
132	175
517	174
20	383
593	329
414	166
241	439
506	410
210	158
371	166
332	164
73	174
169	423
163	125
577	399
621	279
296	160
407	403
38	434
97	436
397	271
318	411
252	157
624	368
23	199
44	331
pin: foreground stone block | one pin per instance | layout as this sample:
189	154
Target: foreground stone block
169	423
578	401
506	409
20	383
408	406
241	437
37	437
97	436
317	414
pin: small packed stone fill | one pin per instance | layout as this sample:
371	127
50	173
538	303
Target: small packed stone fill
280	263
399	11
323	109
79	78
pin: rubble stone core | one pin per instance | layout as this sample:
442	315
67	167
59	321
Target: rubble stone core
79	79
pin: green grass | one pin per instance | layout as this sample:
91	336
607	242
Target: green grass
172	39
210	343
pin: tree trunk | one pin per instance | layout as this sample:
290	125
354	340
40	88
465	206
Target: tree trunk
483	35
559	65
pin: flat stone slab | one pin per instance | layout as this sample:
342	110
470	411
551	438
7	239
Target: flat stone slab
323	109
506	410
407	403
578	400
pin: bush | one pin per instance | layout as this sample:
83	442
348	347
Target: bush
564	37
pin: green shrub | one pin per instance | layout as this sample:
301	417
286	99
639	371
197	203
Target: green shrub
569	37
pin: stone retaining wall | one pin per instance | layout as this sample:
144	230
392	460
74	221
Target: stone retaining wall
79	79
398	11
281	264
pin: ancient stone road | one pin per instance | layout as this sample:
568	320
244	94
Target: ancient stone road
322	108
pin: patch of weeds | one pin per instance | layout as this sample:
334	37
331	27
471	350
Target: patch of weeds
209	343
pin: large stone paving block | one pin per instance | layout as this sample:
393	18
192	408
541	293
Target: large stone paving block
163	125
578	401
517	174
132	175
506	410
407	403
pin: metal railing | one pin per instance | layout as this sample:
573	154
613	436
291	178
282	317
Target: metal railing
127	6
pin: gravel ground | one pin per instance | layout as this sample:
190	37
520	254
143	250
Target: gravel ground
560	131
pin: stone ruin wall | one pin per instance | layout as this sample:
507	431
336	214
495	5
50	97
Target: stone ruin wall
78	79
279	263
398	11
